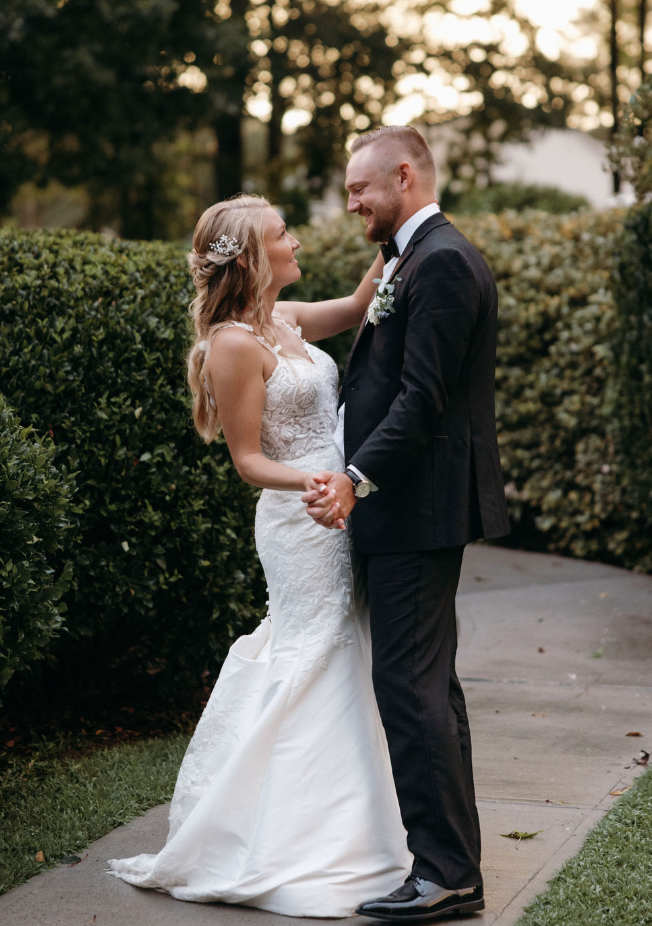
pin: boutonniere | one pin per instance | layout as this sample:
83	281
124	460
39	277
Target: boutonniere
382	305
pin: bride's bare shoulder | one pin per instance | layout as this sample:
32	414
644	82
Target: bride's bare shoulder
235	348
233	337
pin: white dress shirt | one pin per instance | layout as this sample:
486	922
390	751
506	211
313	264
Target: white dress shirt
402	238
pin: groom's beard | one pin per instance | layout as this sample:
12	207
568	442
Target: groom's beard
382	219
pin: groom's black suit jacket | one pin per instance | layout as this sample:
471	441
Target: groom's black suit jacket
419	392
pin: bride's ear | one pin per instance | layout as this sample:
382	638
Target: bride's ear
242	261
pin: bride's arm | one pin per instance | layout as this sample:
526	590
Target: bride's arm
322	319
236	376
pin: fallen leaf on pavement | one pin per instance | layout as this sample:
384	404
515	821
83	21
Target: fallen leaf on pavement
541	650
40	857
539	715
517	834
620	791
634	733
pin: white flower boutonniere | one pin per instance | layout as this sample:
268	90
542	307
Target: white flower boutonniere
382	305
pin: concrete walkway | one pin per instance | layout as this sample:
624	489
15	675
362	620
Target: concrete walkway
555	659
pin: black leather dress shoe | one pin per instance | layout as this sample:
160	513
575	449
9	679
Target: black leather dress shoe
419	901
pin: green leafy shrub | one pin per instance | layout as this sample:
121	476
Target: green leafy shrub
165	573
630	151
94	335
630	394
554	361
565	464
334	256
34	502
500	197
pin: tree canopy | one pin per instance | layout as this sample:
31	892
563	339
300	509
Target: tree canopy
99	92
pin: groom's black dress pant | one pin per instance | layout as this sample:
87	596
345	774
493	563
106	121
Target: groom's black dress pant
411	599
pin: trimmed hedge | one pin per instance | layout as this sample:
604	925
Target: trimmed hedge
565	461
34	501
630	396
499	197
165	575
554	364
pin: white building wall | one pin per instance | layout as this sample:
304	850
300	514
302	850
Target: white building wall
565	158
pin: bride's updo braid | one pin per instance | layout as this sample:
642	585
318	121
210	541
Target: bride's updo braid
229	287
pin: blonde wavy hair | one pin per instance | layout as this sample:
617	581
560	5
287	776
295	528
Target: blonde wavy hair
228	289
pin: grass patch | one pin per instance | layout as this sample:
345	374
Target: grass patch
609	882
58	806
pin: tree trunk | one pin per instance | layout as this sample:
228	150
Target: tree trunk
642	18
275	142
229	122
613	4
275	136
228	166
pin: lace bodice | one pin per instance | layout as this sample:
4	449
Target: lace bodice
300	411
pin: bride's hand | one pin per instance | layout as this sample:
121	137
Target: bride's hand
328	499
317	489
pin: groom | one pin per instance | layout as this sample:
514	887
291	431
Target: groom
423	479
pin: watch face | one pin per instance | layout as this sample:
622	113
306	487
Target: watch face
362	489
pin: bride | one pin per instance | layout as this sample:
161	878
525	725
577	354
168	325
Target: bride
285	799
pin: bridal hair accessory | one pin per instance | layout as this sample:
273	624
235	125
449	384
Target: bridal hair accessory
227	247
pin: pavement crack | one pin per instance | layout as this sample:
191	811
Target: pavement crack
542	683
537	873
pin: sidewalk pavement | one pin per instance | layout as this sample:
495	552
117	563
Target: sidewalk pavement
554	657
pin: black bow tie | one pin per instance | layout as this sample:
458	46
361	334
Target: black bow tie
390	249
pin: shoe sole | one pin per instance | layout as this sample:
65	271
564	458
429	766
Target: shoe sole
471	906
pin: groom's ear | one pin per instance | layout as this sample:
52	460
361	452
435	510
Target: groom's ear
405	175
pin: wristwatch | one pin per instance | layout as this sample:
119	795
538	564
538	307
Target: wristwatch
361	487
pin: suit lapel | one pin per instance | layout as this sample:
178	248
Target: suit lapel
363	325
433	222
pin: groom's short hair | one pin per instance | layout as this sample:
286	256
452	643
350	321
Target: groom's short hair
400	142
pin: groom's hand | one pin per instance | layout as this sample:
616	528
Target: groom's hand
332	502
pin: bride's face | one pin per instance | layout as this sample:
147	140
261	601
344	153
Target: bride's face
281	247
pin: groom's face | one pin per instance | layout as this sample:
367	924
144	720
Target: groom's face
374	192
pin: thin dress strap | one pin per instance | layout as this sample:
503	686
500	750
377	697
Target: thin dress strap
297	332
261	340
294	330
233	324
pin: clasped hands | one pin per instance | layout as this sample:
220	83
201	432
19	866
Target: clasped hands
331	499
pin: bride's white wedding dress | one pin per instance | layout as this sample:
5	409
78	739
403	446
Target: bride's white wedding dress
285	798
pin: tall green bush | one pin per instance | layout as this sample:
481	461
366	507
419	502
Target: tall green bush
630	393
165	572
34	502
499	197
630	151
564	464
93	335
554	361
